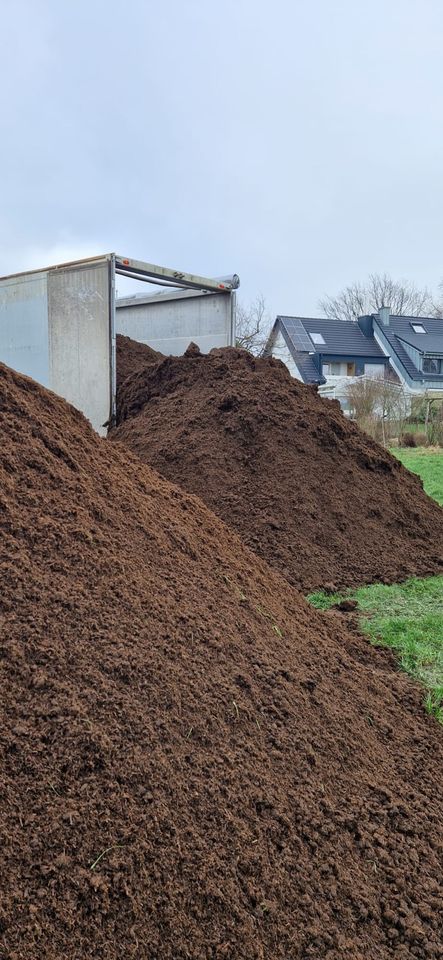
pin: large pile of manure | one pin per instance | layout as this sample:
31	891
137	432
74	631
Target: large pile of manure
132	356
303	486
195	763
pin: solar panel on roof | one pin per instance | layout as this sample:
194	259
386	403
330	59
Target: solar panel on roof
298	335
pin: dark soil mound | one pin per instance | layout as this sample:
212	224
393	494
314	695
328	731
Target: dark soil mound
195	763
132	357
304	487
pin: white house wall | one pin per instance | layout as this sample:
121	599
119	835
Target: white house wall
281	352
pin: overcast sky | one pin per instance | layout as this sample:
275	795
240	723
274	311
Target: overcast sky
298	143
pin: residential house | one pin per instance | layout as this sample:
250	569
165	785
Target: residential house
414	346
325	352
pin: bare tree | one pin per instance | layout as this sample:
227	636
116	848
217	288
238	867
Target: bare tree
380	405
253	325
437	307
402	297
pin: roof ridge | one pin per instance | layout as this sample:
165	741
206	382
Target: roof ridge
405	316
292	316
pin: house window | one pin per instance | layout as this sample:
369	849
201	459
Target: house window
317	338
432	365
336	369
418	328
374	370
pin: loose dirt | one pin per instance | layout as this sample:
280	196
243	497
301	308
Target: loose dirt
306	490
133	356
195	763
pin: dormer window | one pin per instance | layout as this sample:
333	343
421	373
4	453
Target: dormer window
418	328
432	365
317	338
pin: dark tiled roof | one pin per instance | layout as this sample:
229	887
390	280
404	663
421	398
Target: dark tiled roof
342	338
346	339
429	342
302	358
397	333
399	351
308	370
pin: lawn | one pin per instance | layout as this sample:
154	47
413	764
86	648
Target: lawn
407	617
428	463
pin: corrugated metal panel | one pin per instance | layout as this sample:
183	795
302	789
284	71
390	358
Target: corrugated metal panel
168	323
24	325
80	339
55	328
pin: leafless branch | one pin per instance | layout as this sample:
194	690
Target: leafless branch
378	405
402	297
253	325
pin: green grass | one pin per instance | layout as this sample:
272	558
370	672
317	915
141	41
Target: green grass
407	617
428	463
414	428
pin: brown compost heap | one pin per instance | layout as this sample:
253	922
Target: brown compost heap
195	763
304	487
133	356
